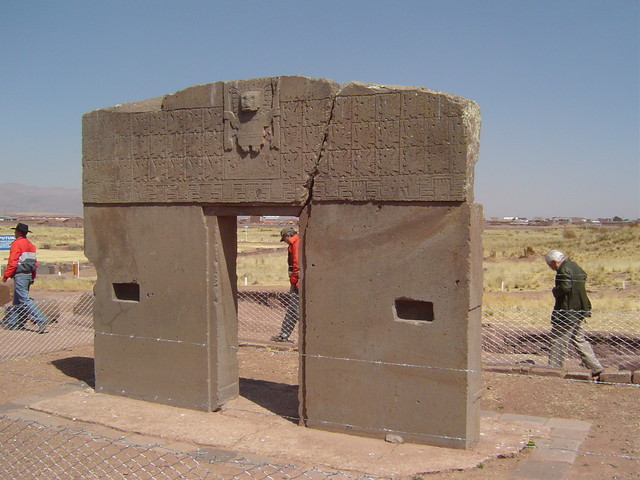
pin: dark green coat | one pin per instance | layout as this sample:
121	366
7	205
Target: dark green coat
570	290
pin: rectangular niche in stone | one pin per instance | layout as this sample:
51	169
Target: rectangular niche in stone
413	310
126	292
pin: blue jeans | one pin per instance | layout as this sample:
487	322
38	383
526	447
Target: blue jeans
23	306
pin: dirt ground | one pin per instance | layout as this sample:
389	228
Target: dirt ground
611	451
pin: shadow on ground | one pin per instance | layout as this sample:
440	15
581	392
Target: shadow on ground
81	368
279	398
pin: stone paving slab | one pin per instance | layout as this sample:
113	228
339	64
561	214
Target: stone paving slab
245	427
246	430
556	450
540	470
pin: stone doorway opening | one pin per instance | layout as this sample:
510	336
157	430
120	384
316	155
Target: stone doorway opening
268	370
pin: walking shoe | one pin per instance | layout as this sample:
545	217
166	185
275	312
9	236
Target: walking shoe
42	328
280	338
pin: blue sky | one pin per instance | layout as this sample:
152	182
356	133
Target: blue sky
557	81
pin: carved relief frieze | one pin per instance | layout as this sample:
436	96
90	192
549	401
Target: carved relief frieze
266	166
354	142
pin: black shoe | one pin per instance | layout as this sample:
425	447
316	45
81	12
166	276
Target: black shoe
42	328
15	327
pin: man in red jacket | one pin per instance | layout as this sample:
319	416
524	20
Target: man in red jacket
291	237
22	266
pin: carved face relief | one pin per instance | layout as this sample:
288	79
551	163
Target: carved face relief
250	101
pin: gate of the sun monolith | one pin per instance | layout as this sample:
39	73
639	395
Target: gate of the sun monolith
382	177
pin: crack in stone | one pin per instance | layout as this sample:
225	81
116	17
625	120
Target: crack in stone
316	168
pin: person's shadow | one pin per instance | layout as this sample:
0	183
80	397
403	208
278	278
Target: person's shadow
279	398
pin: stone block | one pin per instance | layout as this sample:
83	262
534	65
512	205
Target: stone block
616	377
547	372
564	423
245	142
555	450
635	379
262	140
499	368
585	376
161	335
404	144
384	329
522	369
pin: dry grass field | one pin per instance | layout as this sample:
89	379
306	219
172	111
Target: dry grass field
515	274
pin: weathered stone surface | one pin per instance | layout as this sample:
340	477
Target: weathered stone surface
243	142
396	330
584	376
547	371
269	140
399	144
165	331
616	377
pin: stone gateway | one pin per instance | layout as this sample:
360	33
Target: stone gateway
391	287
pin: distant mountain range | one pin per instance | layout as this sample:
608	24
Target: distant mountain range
26	199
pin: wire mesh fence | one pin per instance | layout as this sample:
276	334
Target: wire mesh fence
264	314
32	450
69	323
511	337
588	340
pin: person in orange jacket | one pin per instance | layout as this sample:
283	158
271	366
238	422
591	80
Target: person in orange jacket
22	267
291	237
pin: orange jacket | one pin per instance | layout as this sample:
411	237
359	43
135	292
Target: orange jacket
22	258
292	260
